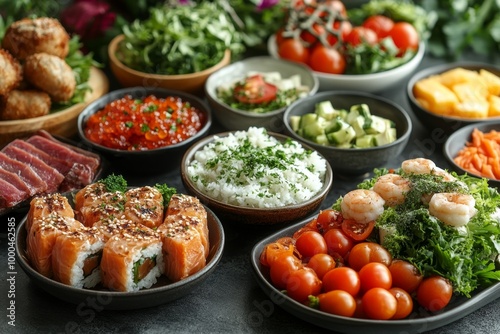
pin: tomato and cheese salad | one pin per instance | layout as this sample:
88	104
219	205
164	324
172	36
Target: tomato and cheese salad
324	35
406	238
262	92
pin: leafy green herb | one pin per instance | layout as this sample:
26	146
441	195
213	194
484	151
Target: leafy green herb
166	192
180	39
114	183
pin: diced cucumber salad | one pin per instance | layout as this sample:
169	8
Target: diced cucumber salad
353	128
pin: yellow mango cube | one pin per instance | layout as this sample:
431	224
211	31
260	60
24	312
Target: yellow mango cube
492	81
439	99
494	109
472	109
475	90
457	76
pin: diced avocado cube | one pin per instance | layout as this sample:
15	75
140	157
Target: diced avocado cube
312	130
378	125
358	126
333	125
345	135
322	140
365	141
326	110
294	123
307	119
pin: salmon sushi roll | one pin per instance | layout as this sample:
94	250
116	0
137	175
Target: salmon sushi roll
88	194
76	258
132	259
144	206
111	226
183	248
43	206
105	206
191	208
42	237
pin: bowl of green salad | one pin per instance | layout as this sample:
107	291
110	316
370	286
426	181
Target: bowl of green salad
355	131
256	91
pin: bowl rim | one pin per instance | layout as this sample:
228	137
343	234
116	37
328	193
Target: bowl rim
213	97
415	60
327	94
327	182
438	69
92	108
113	45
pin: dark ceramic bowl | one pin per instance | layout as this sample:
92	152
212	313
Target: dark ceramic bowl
258	216
154	160
354	161
446	124
458	140
237	119
162	292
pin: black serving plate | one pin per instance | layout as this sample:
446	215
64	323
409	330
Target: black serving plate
162	292
419	321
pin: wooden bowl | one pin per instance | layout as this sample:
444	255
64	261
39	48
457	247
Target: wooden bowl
61	123
190	83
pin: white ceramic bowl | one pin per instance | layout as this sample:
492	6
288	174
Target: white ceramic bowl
237	119
370	83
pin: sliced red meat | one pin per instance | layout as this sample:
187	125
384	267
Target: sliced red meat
33	181
50	175
10	195
61	151
63	166
15	180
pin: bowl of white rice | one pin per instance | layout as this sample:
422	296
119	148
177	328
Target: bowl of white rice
256	177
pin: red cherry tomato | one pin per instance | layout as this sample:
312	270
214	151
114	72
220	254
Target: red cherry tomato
327	60
337	302
405	36
404	303
337	6
254	90
321	264
301	283
366	252
294	50
342	278
338	242
357	231
344	28
379	304
405	275
272	250
375	275
310	243
282	267
434	293
311	37
328	219
380	24
360	35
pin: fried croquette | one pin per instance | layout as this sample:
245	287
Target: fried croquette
23	104
29	36
10	72
50	74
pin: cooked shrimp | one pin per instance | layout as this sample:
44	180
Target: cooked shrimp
392	188
453	209
362	205
425	166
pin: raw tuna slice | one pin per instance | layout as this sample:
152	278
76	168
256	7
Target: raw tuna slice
61	151
77	177
63	166
50	175
15	180
10	195
33	181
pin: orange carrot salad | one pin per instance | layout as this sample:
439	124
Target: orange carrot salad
480	156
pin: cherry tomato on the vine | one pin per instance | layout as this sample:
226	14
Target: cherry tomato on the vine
405	275
405	36
301	283
380	24
404	303
434	293
344	28
312	36
294	50
321	264
375	275
342	278
360	35
379	304
310	243
327	60
337	302
366	252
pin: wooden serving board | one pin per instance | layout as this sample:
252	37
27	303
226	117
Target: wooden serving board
63	122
